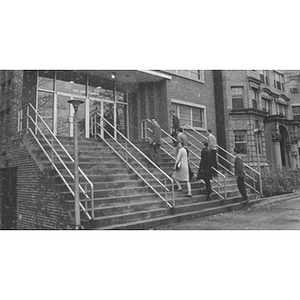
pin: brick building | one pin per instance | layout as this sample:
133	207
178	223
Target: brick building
254	113
28	199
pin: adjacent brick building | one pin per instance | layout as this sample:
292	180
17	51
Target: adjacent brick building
255	113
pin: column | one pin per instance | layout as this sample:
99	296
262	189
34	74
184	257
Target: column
277	153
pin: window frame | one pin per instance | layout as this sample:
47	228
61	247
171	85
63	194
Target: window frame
232	97
187	74
295	114
236	143
190	105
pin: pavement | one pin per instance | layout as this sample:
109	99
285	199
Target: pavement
276	213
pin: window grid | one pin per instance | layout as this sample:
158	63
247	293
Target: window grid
237	94
192	116
296	112
240	140
192	74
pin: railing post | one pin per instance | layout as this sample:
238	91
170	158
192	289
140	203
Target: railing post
225	188
166	192
52	152
126	146
256	132
76	104
18	121
27	119
85	198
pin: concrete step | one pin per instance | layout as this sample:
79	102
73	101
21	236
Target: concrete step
181	214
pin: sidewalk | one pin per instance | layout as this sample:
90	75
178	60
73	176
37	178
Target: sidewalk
279	212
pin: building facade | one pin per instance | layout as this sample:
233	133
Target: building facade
124	97
255	113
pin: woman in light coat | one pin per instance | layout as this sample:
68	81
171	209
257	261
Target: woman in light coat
183	173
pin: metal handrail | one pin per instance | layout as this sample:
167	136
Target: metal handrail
53	151
229	162
191	162
166	176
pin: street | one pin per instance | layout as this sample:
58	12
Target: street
278	215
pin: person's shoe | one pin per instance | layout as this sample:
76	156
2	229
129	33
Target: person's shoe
245	201
179	190
189	195
208	198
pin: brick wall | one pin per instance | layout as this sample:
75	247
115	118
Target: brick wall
192	91
38	206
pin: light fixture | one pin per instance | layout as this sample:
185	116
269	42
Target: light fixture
113	76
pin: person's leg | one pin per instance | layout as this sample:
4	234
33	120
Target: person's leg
178	184
189	188
150	152
158	156
214	161
241	187
208	188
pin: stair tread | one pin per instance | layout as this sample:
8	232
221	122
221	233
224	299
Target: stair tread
178	214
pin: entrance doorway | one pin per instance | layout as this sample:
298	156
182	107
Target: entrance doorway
100	94
9	197
285	147
114	113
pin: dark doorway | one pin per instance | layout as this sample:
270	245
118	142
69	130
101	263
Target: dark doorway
9	198
285	147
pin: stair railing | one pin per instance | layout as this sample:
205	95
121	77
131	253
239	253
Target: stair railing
28	123
128	155
169	145
229	162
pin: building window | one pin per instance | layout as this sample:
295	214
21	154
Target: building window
192	74
266	105
240	140
279	81
281	110
296	112
264	76
255	98
258	143
190	114
237	94
46	80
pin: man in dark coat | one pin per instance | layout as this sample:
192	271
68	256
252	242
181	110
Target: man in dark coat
205	171
240	174
176	125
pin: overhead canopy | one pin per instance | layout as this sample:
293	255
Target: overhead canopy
129	76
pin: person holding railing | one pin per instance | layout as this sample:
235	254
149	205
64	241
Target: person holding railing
240	174
175	127
181	169
182	138
212	147
205	170
154	144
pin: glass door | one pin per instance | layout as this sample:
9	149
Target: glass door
95	107
64	116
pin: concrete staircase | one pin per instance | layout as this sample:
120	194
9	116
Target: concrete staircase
121	199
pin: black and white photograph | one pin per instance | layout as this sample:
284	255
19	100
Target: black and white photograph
149	150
